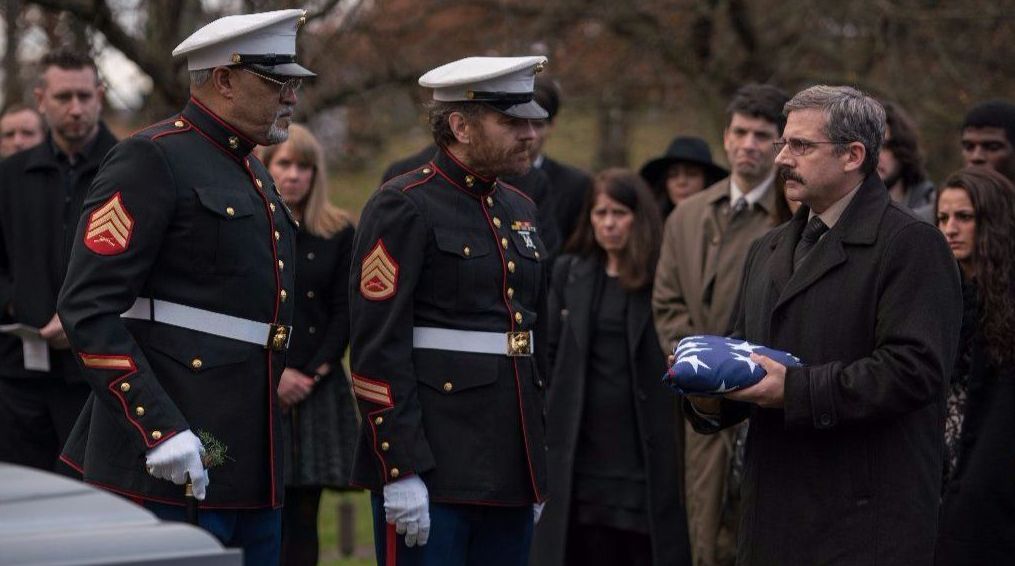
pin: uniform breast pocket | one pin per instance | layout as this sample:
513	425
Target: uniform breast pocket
532	252
467	274
223	224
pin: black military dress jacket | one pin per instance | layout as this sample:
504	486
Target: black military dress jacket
443	247
40	204
181	212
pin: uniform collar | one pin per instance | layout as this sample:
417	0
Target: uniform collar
461	176
217	130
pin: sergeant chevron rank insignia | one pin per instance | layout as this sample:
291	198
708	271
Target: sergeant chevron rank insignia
109	228
379	274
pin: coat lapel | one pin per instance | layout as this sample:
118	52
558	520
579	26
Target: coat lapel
580	288
858	225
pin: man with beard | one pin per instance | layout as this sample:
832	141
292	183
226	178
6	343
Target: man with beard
844	452
178	296
41	191
700	268
446	292
21	127
900	164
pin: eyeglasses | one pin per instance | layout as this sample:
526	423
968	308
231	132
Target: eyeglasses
799	147
288	86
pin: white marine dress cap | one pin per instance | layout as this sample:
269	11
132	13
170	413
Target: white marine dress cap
265	41
505	83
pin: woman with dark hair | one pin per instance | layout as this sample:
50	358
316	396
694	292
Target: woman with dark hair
685	169
321	424
613	444
976	213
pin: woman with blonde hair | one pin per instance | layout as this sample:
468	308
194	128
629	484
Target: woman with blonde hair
321	423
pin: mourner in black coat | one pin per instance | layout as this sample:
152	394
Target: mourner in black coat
843	461
320	421
613	457
41	193
975	208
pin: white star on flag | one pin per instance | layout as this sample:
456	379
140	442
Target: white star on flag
744	346
746	360
694	362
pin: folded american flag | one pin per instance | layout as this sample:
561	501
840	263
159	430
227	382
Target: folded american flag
712	365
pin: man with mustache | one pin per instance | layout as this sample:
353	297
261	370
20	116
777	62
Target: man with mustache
446	299
41	191
700	266
844	452
179	293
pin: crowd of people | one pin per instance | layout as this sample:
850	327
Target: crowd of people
508	319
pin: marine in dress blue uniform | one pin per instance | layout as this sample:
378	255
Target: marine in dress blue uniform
446	291
178	298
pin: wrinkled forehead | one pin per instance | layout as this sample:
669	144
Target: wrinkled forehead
984	134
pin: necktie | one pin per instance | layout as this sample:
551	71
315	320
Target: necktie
738	207
810	236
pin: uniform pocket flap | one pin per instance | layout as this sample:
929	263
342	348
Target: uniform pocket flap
464	244
529	244
198	351
454	372
225	203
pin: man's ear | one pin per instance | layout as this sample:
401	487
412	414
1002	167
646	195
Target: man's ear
224	82
460	127
855	154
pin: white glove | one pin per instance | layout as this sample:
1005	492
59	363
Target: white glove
407	506
537	512
175	458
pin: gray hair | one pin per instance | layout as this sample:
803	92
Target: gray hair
851	116
199	77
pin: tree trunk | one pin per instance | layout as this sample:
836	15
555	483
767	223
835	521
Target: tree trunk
613	129
13	89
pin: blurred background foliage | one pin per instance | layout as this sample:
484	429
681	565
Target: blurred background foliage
633	73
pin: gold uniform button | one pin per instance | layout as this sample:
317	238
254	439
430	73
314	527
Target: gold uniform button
469	181
234	142
503	243
311	256
310	294
511	266
467	251
489	202
277	235
448	386
156	434
125	387
537	254
179	124
271	205
312	330
385	446
139	411
283	295
511	293
196	363
281	264
496	221
427	170
394	472
230	211
379	421
518	317
259	183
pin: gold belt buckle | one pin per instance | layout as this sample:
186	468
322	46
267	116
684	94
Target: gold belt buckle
278	337
519	344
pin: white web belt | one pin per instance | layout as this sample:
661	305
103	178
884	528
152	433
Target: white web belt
272	336
473	341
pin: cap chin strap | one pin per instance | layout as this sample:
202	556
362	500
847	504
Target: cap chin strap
510	98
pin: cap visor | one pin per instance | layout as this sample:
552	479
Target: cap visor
528	110
285	70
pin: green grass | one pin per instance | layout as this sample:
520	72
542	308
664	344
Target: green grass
328	529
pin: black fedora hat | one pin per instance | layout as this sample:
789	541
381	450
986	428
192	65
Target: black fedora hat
685	149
